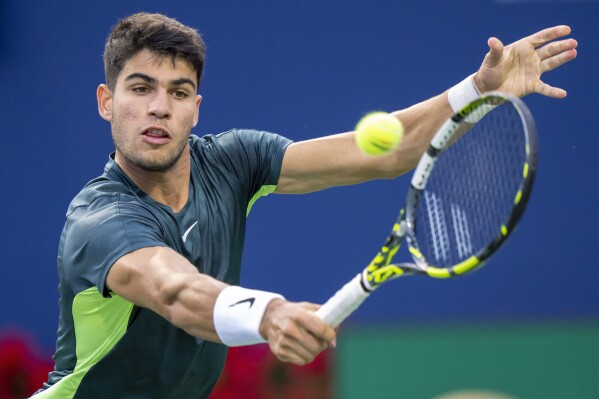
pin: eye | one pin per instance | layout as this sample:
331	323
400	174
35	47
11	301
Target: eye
181	94
141	90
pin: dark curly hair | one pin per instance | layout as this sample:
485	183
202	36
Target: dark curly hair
158	33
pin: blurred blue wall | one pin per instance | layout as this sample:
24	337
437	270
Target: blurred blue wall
305	69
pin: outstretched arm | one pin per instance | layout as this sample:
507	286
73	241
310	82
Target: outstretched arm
318	164
160	279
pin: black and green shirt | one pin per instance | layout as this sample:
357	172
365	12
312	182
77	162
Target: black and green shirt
108	347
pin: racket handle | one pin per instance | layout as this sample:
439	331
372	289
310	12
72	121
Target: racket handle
343	303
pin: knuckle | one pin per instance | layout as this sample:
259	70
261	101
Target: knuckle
288	329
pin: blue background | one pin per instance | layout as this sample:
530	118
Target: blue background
305	69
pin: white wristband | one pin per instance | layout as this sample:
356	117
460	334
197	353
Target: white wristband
238	313
462	94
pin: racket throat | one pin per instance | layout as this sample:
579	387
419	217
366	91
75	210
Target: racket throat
366	286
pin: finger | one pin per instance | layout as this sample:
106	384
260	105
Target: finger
313	338
293	355
549	34
495	53
319	329
298	354
296	345
324	336
310	306
306	347
549	91
555	48
311	331
557	60
556	54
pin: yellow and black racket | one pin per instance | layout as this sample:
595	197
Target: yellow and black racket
467	194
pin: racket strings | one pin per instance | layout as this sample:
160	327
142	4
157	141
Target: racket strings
470	193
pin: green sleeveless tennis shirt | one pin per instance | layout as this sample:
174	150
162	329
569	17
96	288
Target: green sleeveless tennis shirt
109	348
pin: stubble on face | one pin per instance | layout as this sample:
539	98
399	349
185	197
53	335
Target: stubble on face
131	116
151	161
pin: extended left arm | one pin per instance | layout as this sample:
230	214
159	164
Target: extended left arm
335	160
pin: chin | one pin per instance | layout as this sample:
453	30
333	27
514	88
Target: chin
156	165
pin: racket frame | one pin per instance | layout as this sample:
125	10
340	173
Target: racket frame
380	269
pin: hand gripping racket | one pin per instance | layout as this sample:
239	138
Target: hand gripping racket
467	194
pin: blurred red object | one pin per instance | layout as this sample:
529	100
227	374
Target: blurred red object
23	369
253	372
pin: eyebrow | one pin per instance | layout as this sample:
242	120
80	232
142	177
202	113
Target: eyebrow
149	79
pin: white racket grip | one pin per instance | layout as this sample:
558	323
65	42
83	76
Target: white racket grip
343	303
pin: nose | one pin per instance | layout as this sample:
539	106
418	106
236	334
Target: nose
159	105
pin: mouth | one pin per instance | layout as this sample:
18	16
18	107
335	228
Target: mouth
155	135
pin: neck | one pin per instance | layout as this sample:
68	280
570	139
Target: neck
169	187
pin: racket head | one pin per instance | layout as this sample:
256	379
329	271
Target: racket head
469	193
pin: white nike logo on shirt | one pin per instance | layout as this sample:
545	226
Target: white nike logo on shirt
188	230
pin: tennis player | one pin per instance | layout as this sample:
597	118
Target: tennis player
150	255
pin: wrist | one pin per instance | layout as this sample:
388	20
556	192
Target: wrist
462	94
465	92
238	314
478	85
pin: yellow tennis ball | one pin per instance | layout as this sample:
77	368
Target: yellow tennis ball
378	133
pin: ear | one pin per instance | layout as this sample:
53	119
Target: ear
196	116
104	96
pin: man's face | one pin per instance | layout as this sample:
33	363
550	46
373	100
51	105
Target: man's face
152	110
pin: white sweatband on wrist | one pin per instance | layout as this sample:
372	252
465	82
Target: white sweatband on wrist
238	313
463	94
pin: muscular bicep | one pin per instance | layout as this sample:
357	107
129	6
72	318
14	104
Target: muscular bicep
160	279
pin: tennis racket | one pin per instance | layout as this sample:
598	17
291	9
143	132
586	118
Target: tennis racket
467	194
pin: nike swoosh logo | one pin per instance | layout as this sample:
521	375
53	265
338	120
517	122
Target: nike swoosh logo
187	231
248	300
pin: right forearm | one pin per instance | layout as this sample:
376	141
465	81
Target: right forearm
160	279
187	301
